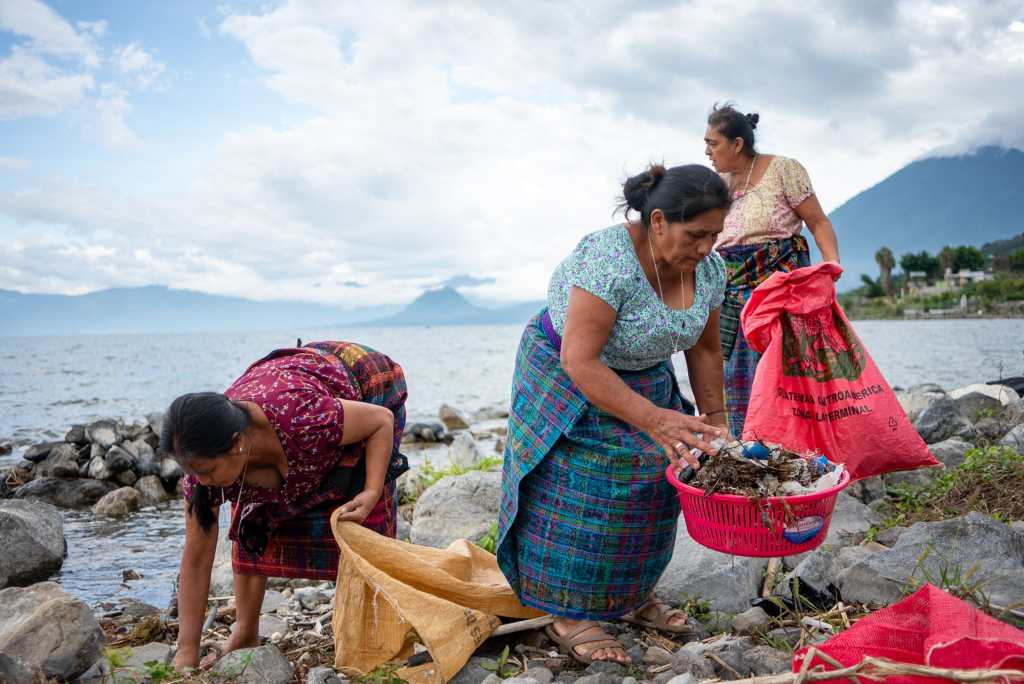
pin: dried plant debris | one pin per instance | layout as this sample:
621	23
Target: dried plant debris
757	470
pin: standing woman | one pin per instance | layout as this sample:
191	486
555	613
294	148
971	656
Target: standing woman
588	519
302	433
772	198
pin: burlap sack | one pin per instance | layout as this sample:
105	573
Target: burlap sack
391	594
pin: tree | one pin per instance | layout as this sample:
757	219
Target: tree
962	258
1017	260
922	261
871	287
886	262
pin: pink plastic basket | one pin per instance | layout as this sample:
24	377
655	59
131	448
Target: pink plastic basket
769	527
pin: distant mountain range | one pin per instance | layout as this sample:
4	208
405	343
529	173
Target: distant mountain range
158	309
966	200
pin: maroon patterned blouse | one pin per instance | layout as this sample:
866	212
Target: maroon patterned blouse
300	390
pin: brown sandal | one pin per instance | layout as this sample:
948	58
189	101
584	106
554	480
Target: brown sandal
662	621
573	639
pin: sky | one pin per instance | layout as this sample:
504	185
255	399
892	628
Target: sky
356	153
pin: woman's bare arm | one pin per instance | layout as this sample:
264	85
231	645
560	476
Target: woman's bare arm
194	588
818	223
705	368
374	425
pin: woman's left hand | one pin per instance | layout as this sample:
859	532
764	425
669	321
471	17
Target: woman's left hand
359	506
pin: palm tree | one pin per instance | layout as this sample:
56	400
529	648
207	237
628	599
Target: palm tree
886	262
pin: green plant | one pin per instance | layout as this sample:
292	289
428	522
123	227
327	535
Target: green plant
948	576
502	666
382	674
117	657
427	475
158	672
489	542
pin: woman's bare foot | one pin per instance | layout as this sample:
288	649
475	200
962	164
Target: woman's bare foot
589	644
247	638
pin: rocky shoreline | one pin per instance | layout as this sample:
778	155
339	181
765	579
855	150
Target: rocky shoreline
878	547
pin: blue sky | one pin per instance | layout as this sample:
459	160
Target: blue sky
355	154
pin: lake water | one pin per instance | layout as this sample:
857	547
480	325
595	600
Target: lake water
49	383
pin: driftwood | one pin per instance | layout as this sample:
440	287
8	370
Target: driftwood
876	669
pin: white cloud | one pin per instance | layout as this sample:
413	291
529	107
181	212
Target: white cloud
48	31
13	164
435	140
138	65
29	86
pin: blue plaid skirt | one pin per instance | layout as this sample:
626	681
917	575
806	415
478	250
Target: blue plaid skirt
588	520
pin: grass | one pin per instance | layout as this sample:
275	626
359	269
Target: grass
489	542
427	475
990	481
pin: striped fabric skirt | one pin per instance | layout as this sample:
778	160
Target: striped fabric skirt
746	267
304	546
588	520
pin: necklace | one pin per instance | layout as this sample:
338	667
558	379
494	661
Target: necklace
682	288
241	479
746	185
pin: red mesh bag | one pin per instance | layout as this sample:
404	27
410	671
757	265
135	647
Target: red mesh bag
929	627
816	388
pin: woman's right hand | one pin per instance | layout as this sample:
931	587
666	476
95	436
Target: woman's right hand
678	433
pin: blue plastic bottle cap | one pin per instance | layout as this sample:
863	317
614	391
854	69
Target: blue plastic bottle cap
756	450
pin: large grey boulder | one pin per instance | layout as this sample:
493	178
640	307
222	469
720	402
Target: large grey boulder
64	493
38	452
459	507
117	503
916	399
941	420
1014	438
14	671
989	550
118	459
815	576
464	451
32	544
49	630
950	452
1004	394
151	490
102	432
974	405
61	462
263	665
726	582
453	418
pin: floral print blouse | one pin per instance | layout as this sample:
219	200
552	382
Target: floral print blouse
765	212
605	264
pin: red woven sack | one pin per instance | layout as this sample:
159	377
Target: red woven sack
929	627
815	387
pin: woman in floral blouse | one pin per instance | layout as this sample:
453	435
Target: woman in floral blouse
772	198
302	433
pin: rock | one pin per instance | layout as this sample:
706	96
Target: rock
915	400
750	621
541	675
452	418
656	655
464	451
921	477
1013	414
151	491
522	679
493	412
117	503
816	575
272	600
46	628
134	610
38	452
950	452
726	582
786	635
425	432
97	451
64	493
941	420
868	490
685	678
118	459
1014	438
890	535
850	522
473	672
729	649
322	675
146	462
126	478
98	469
62	461
143	654
6	447
973	406
155	421
263	665
601	678
975	543
76	435
1003	394
765	660
270	624
459	507
14	671
170	472
32	536
102	432
310	597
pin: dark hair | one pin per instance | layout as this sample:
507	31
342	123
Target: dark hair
681	192
728	121
202	425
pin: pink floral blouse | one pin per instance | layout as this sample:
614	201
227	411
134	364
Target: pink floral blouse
765	212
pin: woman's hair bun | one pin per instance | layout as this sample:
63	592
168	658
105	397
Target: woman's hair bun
753	118
638	188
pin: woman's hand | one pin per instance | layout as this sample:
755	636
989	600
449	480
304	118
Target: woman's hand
678	433
359	506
